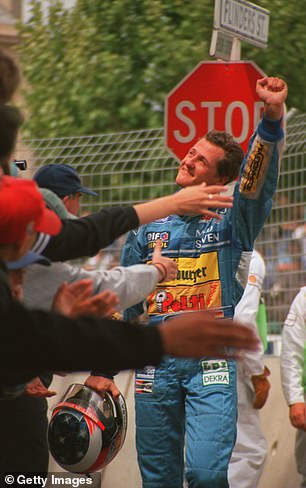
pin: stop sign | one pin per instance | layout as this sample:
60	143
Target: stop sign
215	95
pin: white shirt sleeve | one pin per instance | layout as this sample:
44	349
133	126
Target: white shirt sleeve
246	312
132	284
292	353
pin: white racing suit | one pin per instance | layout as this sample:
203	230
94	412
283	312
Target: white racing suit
195	400
250	450
293	368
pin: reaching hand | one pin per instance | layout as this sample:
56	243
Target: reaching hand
166	267
76	299
68	296
198	334
196	200
36	388
101	384
101	305
297	414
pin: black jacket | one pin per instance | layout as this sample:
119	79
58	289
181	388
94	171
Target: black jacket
86	236
33	342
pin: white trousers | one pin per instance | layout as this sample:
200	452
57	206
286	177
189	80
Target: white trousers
250	450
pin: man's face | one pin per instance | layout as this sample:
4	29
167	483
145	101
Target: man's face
200	165
73	203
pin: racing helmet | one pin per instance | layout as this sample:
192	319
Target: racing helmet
86	431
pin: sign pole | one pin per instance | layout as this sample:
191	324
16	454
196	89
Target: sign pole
236	50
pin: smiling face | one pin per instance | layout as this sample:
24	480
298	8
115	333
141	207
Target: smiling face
201	165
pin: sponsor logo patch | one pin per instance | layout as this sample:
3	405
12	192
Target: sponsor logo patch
251	180
152	237
198	298
252	279
215	372
197	287
162	221
144	380
204	238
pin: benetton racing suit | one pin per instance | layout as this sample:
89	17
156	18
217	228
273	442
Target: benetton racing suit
192	397
293	368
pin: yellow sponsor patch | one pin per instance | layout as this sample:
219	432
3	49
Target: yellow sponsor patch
254	170
195	271
197	287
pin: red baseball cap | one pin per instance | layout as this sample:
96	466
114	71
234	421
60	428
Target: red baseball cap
23	207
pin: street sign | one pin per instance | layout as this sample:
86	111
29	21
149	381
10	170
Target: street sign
244	20
215	95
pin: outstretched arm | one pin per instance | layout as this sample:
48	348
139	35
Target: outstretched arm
194	200
87	235
197	334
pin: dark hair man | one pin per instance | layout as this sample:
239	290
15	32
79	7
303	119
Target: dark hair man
195	400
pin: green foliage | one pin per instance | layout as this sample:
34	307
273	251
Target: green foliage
106	65
285	55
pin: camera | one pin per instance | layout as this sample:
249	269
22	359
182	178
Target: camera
21	164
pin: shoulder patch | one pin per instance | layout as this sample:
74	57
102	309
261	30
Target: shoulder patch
291	319
162	221
252	279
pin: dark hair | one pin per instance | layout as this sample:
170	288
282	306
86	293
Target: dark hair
228	166
10	121
9	76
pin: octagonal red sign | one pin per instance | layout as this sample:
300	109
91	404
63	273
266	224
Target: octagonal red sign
215	95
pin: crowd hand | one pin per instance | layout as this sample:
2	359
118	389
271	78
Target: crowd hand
36	388
76	299
198	334
297	414
199	199
167	268
261	386
101	384
68	296
102	305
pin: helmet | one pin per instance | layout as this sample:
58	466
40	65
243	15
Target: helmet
86	430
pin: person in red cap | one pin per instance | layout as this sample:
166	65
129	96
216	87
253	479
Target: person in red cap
22	214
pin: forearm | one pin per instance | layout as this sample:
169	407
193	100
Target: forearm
132	284
273	111
86	236
156	209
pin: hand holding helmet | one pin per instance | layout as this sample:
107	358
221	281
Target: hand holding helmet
86	431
